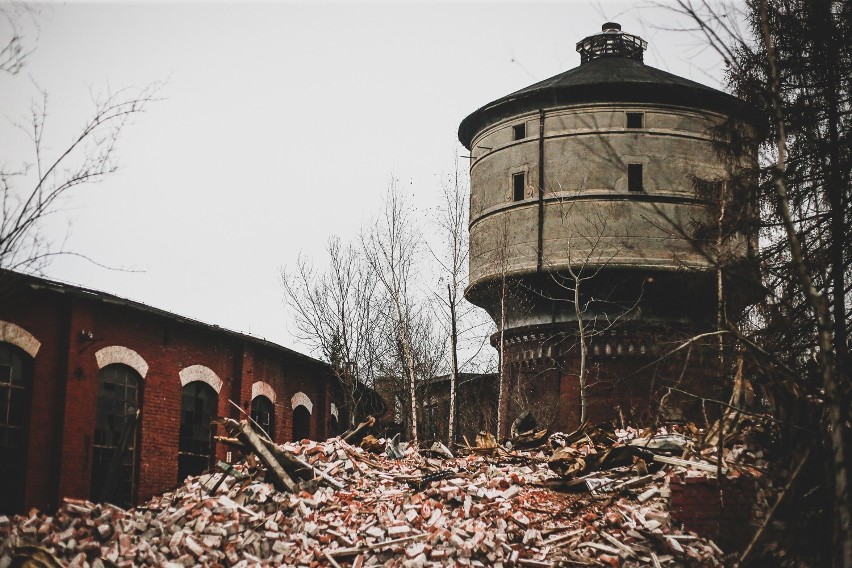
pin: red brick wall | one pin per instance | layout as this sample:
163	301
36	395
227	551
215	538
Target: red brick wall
288	378
65	379
723	517
48	394
623	379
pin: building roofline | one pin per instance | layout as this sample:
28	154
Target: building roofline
607	79
42	283
462	377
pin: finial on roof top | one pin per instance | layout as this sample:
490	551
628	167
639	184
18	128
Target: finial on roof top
611	42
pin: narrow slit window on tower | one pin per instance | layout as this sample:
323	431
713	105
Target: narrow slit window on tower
634	177
635	120
519	131
518	183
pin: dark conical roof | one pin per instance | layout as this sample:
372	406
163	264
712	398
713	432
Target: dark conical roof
617	71
612	77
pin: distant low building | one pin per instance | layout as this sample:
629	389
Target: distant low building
77	364
476	410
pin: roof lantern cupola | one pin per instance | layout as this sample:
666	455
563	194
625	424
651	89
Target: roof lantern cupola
611	42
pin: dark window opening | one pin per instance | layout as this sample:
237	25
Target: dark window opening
301	423
518	185
263	412
15	381
519	131
114	447
634	177
635	119
195	442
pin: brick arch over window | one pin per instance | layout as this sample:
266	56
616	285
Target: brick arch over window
122	355
260	388
200	373
19	337
301	399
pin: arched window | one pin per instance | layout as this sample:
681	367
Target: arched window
15	381
114	454
301	423
263	412
195	448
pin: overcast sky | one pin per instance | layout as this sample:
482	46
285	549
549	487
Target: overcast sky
280	125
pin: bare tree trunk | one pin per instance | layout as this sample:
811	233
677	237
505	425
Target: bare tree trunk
581	327
502	395
720	281
412	385
452	221
454	368
503	379
390	250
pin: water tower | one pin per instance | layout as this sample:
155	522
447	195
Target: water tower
607	176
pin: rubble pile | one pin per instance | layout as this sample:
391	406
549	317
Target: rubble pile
579	500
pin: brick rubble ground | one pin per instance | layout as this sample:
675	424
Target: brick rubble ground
411	512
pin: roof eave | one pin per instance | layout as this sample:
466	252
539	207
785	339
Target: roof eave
616	92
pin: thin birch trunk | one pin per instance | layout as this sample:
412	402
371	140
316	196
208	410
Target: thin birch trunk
581	326
454	370
720	281
502	406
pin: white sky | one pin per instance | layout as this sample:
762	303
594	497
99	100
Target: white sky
280	125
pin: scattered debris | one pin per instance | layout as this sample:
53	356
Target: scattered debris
486	444
525	432
336	504
393	448
439	449
352	436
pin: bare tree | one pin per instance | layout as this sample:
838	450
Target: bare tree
33	192
390	249
577	272
429	346
578	283
463	320
453	221
15	50
335	312
503	259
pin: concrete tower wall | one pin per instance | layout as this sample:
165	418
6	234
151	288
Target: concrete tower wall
589	216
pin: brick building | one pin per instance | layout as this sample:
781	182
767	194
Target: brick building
103	397
476	411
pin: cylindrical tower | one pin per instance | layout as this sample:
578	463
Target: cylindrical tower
592	198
